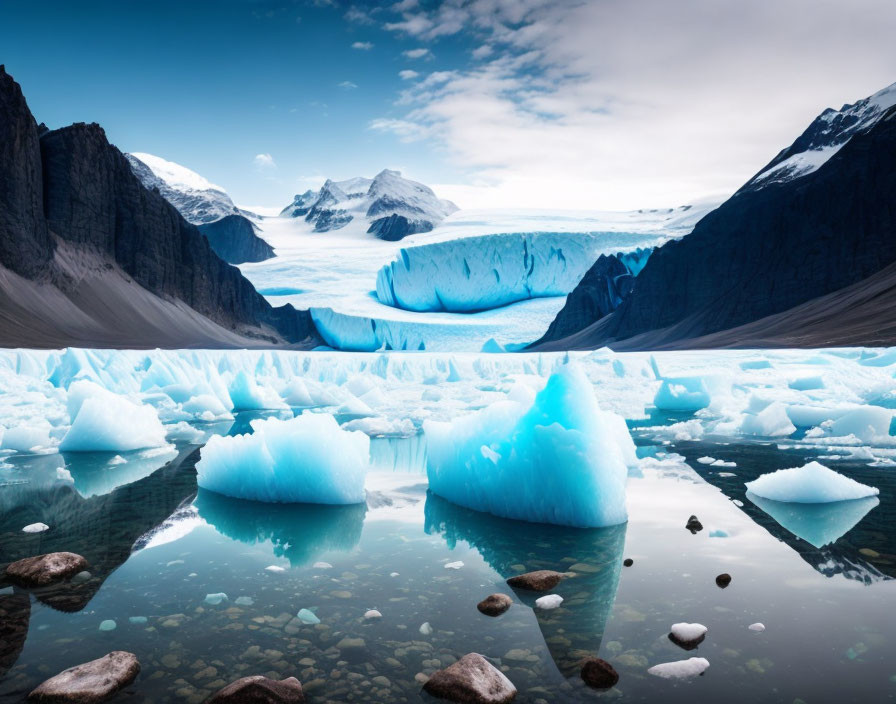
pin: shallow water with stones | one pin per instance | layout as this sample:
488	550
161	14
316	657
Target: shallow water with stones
158	548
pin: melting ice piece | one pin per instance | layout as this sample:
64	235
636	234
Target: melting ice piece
307	616
758	627
688	632
106	422
454	565
687	393
549	601
810	484
561	460
680	668
275	568
35	528
288	461
772	421
426	629
817	524
868	423
215	599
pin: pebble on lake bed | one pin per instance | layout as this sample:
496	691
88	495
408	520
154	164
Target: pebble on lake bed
551	601
494	604
260	689
471	679
723	580
41	570
538	581
93	681
599	674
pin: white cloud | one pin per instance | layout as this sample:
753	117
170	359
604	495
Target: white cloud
482	52
264	162
347	85
362	46
621	104
420	53
407	75
359	16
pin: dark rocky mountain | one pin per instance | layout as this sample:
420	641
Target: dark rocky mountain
235	240
91	257
806	260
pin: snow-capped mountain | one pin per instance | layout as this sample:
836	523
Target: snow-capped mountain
824	138
197	199
391	206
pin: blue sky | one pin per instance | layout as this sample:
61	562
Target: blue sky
609	104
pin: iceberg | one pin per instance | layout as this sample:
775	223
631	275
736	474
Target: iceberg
812	483
288	461
686	394
561	460
106	422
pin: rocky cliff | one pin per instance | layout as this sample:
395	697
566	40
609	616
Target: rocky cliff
233	238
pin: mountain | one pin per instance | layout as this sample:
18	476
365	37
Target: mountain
391	206
803	255
91	257
229	230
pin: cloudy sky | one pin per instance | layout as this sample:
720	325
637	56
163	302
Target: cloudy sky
605	104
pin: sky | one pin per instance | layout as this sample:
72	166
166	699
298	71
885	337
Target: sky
557	104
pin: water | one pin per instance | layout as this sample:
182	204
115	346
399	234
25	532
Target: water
158	547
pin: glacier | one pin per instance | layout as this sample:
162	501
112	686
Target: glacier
481	273
560	460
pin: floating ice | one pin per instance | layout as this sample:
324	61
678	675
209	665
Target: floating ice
772	421
34	435
426	629
275	568
549	601
322	566
454	565
372	614
244	601
249	396
682	394
868	423
758	627
137	620
108	625
688	632
215	599
35	528
680	668
812	483
817	524
562	460
307	617
106	422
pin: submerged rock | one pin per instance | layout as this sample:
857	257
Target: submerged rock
694	525
471	679
538	581
41	570
723	580
628	562
494	604
93	681
599	674
259	690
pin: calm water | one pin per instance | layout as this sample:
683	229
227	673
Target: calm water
157	548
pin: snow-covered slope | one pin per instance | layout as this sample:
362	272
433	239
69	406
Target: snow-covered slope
824	138
197	199
391	206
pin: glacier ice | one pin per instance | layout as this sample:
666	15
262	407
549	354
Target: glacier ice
480	273
812	483
868	423
561	460
306	459
682	394
103	421
772	421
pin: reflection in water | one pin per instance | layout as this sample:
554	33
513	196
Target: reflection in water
299	532
817	524
15	613
97	473
574	630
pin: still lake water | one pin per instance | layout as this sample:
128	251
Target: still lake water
158	548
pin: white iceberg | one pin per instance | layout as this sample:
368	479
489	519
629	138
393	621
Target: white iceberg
680	668
306	459
812	483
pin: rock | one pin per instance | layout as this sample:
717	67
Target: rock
628	562
694	525
471	679
259	690
94	681
538	581
723	580
234	238
599	674
46	569
494	604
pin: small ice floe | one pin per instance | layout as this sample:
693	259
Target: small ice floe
137	620
737	502
727	474
426	629
812	483
118	459
215	599
706	460
723	463
758	627
173	563
244	601
372	615
454	565
35	528
550	601
307	616
718	533
275	568
680	668
108	625
322	566
393	574
687	635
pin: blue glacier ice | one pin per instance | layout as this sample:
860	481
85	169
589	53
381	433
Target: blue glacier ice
480	273
812	483
817	524
560	460
682	394
306	459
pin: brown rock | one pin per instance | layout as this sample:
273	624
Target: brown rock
723	580
94	681
471	680
494	604
599	674
259	690
538	581
41	570
694	525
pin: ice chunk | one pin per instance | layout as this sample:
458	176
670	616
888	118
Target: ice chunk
868	423
275	568
682	394
296	394
31	435
807	383
108	625
817	524
454	565
308	617
688	632
426	629
561	460
549	601
215	599
812	483
680	668
706	460
758	627
206	407
355	407
288	461
249	396
772	421
106	422
35	528
372	614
